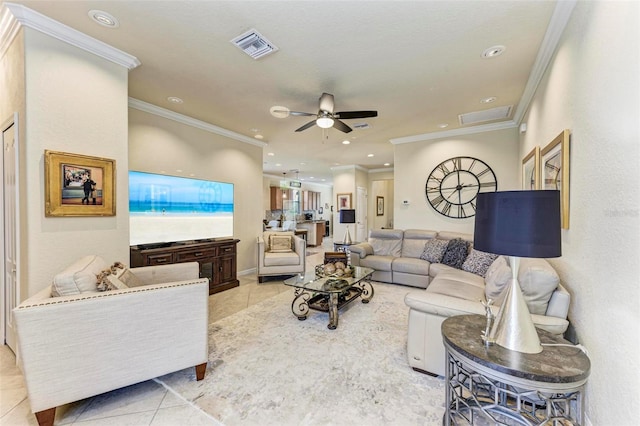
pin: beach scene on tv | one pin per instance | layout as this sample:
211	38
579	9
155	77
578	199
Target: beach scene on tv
166	209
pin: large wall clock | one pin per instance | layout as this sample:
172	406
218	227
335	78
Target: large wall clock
454	184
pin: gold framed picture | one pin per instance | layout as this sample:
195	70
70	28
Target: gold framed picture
78	185
555	171
344	201
531	170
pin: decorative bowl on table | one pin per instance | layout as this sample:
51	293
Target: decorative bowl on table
334	270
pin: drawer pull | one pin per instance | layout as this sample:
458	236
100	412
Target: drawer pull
198	254
161	260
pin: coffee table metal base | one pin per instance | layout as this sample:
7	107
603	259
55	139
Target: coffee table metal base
303	301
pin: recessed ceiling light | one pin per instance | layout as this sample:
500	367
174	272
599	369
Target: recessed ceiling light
443	125
270	154
278	164
258	136
174	100
493	51
311	177
303	164
386	164
370	155
346	142
103	18
488	100
323	180
279	111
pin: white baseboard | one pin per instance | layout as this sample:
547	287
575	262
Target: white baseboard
248	271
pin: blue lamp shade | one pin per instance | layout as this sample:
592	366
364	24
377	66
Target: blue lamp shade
518	223
347	216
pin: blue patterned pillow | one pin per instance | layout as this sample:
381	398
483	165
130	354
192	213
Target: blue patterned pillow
456	253
434	250
478	262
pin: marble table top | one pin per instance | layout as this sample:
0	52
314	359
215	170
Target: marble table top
555	364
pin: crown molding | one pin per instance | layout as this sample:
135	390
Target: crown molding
382	170
349	167
9	27
557	24
455	132
39	22
189	121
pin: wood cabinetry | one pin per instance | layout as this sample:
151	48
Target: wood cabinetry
310	200
217	260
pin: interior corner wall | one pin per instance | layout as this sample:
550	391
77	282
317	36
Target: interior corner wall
413	162
76	102
160	145
592	88
344	182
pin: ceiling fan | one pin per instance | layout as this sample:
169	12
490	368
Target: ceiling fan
326	118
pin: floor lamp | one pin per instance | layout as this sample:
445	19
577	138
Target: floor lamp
517	224
347	216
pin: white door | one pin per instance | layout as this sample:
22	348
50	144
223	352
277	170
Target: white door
361	214
10	225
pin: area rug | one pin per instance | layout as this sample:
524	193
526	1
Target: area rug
268	368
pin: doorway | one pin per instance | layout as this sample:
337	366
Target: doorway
10	226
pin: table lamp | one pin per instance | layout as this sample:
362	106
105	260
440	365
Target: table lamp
517	224
347	216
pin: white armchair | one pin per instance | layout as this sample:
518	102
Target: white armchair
280	253
76	346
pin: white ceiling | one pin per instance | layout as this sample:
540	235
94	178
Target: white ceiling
418	63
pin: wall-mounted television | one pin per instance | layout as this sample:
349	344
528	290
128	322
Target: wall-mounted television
165	209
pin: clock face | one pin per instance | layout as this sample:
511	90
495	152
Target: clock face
452	187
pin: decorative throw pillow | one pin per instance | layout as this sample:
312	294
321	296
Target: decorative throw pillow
434	250
478	262
79	277
280	244
456	253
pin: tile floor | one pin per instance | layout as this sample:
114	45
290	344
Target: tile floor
146	403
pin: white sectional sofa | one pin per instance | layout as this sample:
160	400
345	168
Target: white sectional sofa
444	291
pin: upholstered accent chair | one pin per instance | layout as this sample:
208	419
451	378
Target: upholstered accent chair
83	342
280	253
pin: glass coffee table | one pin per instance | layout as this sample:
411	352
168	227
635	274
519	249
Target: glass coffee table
328	293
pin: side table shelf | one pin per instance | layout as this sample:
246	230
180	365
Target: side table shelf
217	260
494	385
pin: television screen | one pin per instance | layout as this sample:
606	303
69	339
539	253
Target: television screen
166	208
347	216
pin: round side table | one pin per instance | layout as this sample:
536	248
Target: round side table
500	386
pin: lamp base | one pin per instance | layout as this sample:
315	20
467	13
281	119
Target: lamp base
347	237
513	328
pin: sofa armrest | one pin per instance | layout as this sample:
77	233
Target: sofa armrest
559	303
300	246
66	344
448	306
362	249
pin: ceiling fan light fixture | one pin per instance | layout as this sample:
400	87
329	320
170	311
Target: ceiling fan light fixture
324	122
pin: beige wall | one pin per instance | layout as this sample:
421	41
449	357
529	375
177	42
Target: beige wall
413	162
75	102
159	145
592	88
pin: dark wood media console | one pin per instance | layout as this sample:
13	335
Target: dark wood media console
217	259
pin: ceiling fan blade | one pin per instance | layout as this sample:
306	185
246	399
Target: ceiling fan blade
305	114
355	114
326	103
341	126
306	126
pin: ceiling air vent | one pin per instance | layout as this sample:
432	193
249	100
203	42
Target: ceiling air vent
254	44
361	126
500	113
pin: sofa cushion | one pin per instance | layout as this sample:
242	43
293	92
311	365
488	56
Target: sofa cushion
433	250
410	265
79	277
437	268
478	262
496	279
538	280
456	253
414	240
280	244
281	259
536	277
379	263
386	242
460	284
